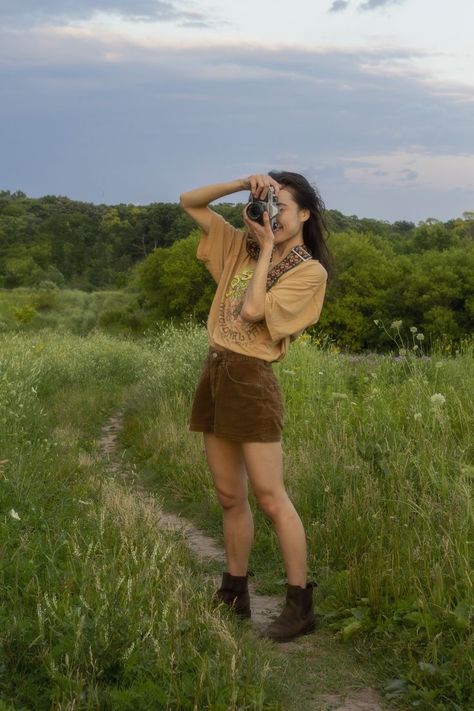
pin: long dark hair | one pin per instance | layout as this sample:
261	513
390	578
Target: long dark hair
307	197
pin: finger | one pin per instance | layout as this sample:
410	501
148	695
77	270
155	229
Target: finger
253	184
276	186
261	187
263	191
267	222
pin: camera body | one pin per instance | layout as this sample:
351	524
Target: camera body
255	208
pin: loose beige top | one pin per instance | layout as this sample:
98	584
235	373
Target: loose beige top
292	304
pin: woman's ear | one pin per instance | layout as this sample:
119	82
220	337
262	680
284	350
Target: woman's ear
304	215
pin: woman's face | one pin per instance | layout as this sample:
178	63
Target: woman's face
290	219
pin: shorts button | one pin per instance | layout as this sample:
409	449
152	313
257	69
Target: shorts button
214	355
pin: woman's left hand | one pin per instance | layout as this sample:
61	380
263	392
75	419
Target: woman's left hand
262	233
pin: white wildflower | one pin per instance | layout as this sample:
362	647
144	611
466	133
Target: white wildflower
402	352
417	416
288	372
420	337
438	399
396	324
376	321
14	515
413	329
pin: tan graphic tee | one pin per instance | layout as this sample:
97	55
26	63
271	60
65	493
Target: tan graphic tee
292	304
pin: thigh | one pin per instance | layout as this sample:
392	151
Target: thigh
227	467
264	465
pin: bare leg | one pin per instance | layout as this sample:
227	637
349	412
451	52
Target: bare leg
230	480
264	463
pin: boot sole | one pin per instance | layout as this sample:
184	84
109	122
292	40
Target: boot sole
281	640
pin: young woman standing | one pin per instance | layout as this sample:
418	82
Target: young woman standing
271	282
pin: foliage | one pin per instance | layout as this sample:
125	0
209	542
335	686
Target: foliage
382	269
174	284
24	314
372	282
82	245
72	311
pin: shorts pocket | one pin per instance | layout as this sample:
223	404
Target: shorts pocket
270	380
244	373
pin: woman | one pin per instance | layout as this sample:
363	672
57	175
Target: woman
270	286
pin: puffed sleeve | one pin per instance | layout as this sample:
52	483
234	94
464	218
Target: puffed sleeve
218	245
296	300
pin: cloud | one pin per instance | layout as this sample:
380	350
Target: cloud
34	12
407	174
339	5
94	116
375	4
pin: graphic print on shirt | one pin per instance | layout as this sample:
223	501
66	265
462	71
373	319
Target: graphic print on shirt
232	327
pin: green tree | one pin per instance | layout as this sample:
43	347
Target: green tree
356	295
172	283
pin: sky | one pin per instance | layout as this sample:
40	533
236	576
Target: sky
136	101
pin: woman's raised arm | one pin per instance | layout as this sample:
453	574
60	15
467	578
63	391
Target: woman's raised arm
196	202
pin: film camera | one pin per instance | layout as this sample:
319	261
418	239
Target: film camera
256	208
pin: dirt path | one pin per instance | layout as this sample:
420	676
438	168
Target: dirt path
264	607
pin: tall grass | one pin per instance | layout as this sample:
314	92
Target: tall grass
379	461
71	311
99	608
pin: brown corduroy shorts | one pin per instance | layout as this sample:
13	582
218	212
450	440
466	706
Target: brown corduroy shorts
238	398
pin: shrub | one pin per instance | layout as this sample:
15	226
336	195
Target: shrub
25	314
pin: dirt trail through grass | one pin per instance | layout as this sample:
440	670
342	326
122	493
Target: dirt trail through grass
264	607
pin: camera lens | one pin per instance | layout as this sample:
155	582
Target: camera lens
255	210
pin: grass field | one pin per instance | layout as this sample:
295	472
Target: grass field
100	609
379	461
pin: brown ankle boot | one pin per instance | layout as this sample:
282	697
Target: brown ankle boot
297	617
234	592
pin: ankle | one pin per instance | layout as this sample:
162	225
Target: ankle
237	573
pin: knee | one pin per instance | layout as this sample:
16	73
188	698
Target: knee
231	501
272	505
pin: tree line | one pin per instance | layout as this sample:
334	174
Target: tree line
383	271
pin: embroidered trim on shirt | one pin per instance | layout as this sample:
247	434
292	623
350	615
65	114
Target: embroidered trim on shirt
298	254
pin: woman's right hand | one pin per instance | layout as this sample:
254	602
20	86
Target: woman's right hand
259	185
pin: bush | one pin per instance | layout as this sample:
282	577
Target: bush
25	314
